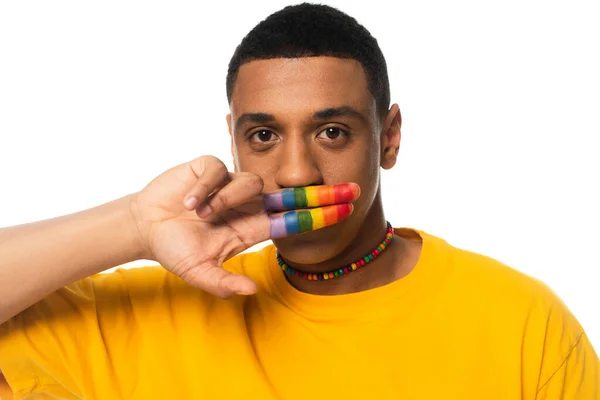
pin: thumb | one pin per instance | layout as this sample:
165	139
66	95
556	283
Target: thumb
212	278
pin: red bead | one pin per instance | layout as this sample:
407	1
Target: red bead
346	270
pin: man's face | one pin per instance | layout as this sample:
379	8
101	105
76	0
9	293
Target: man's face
308	121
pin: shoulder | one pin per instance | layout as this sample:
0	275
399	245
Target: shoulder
494	291
511	297
494	279
521	309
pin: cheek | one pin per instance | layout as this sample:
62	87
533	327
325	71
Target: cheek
243	160
264	166
361	168
361	161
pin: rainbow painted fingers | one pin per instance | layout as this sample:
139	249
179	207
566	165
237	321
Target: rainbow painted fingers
314	207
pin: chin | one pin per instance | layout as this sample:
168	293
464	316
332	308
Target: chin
314	247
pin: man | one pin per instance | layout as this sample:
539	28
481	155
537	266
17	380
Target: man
341	306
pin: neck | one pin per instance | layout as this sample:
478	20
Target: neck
382	270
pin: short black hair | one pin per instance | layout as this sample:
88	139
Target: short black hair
313	30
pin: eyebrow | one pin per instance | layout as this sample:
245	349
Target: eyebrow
342	111
257	118
327	113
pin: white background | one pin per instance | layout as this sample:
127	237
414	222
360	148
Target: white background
500	102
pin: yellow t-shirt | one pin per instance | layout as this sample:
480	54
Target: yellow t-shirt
459	326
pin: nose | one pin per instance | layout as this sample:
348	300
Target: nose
297	166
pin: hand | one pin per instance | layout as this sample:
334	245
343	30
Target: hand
197	215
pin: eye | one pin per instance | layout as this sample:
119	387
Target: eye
262	136
262	139
333	135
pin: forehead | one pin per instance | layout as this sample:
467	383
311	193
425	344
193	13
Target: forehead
293	85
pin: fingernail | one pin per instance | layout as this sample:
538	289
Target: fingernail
205	211
191	202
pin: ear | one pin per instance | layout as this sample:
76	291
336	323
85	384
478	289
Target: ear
390	137
230	128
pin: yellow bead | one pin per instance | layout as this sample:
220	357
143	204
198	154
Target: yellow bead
325	276
353	266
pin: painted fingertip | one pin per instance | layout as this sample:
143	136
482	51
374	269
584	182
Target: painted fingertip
344	211
346	192
355	189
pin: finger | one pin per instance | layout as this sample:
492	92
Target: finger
214	279
311	196
300	221
211	173
243	187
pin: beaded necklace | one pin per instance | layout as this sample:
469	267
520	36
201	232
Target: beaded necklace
361	262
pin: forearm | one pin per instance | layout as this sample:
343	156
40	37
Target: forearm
39	258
